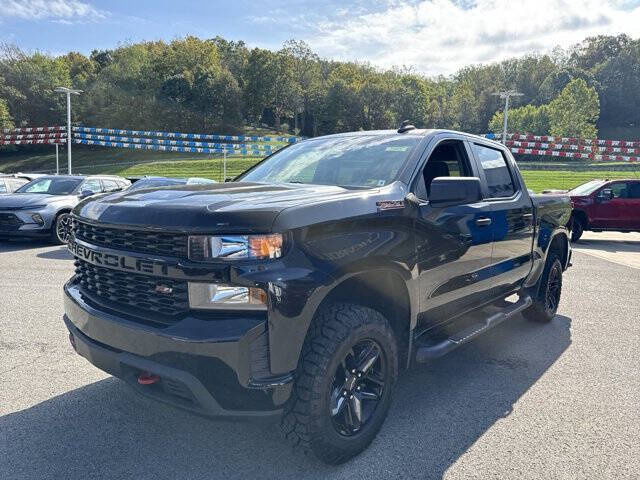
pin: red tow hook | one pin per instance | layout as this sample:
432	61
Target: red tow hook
146	378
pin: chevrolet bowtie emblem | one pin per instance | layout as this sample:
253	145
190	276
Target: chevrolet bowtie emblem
163	289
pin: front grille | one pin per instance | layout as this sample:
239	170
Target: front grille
132	240
135	293
9	222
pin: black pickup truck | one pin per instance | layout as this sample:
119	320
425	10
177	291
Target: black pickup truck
302	287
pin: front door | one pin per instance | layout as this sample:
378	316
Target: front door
610	212
453	243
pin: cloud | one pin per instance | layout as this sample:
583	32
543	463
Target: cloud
440	36
62	11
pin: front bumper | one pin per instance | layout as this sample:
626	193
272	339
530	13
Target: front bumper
210	367
21	224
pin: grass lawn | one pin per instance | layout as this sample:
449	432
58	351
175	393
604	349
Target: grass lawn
538	180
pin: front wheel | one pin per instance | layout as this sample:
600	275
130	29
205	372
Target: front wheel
577	229
61	228
346	373
547	293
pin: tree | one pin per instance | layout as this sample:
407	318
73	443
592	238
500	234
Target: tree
575	111
526	119
5	119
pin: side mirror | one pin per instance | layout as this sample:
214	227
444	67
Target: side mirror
606	194
86	193
228	179
448	191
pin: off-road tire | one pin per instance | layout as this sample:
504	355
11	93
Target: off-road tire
306	419
540	311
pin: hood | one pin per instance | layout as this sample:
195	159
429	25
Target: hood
232	207
15	201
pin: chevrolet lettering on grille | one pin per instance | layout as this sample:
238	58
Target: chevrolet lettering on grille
117	261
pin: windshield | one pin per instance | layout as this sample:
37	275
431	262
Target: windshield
355	161
51	186
156	182
587	188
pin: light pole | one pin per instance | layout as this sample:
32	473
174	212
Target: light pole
68	91
505	95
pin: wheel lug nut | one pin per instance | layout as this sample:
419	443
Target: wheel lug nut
353	371
359	387
351	396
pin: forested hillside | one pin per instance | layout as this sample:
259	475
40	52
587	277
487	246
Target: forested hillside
214	85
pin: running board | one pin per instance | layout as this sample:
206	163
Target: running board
428	352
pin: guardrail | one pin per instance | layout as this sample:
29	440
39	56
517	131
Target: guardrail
188	136
177	143
596	149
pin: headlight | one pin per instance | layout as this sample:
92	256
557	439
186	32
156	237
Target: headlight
213	296
235	247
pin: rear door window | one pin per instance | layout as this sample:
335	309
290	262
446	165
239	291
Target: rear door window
110	186
496	171
3	187
633	190
93	185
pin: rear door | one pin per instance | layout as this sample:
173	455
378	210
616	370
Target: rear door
453	242
511	217
633	205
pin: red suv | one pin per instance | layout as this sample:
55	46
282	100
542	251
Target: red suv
605	205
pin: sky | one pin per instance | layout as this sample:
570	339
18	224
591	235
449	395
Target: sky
433	36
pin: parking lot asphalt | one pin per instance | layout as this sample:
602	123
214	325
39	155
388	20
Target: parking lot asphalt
523	401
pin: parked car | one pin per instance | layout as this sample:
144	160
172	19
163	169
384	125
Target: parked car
302	287
10	182
154	182
601	205
41	207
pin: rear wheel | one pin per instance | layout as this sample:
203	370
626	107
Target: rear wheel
547	293
61	228
345	377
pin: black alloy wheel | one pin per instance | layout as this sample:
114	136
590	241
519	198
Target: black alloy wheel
358	386
547	292
554	287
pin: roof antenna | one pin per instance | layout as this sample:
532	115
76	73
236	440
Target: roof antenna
406	126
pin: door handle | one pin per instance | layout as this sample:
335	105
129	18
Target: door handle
483	222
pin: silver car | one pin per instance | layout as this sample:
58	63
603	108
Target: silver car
42	207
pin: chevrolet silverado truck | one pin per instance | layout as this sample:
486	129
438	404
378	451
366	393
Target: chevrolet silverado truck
305	285
601	205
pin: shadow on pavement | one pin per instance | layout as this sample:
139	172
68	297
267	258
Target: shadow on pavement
61	253
106	430
609	245
11	245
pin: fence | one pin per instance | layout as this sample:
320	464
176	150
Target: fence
583	153
33	136
571	147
